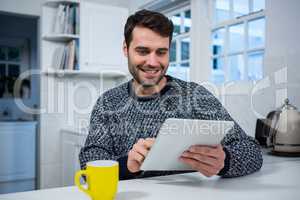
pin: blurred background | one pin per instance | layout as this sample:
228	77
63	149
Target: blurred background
57	57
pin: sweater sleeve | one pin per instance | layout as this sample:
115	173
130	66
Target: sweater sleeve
243	153
99	144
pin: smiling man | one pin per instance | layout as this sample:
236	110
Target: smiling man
148	59
126	119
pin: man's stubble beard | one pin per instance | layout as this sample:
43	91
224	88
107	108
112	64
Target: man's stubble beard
134	71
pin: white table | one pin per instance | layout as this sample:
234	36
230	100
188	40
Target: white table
279	178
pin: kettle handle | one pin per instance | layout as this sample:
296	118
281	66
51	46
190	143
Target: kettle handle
270	130
267	125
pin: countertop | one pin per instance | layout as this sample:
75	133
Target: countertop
279	178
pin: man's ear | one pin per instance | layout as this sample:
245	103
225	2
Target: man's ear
125	49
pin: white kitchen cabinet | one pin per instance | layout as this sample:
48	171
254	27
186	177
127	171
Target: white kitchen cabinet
71	143
17	156
102	37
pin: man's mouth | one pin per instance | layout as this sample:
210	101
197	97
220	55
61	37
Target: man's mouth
150	71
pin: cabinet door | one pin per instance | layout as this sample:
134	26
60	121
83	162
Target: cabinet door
71	146
17	151
69	158
101	37
69	162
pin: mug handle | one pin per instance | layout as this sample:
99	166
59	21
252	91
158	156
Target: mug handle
77	181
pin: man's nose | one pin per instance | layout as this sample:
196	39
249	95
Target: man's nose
152	60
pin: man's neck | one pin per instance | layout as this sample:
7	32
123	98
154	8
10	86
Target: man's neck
149	91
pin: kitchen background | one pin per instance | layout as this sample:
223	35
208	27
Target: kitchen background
244	51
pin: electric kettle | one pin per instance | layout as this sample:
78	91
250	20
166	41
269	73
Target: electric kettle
282	129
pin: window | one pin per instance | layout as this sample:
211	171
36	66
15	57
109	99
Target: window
238	40
180	47
9	70
13	61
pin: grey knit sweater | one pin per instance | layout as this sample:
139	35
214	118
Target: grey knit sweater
120	118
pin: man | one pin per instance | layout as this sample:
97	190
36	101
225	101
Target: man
126	119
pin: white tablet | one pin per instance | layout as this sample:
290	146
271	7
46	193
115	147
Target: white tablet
177	135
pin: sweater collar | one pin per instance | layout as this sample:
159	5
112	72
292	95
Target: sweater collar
151	97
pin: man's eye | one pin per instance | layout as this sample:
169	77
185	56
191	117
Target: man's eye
160	53
142	52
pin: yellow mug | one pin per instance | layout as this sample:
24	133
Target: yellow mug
102	178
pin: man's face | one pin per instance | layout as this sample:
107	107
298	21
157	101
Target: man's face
148	56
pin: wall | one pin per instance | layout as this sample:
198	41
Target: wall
21	27
117	3
283	49
281	73
134	5
28	7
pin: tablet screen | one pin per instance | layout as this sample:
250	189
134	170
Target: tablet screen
177	135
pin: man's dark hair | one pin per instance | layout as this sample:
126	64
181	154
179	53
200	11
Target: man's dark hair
155	21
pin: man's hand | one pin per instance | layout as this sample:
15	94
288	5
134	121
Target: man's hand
208	160
138	153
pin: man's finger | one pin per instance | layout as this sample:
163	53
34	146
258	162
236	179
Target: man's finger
201	158
196	165
136	156
141	149
205	169
150	139
148	142
212	151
